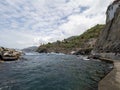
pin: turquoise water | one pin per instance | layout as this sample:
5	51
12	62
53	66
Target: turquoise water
52	72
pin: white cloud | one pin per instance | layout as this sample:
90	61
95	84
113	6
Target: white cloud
25	23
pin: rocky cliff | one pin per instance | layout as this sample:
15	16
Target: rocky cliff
109	40
82	44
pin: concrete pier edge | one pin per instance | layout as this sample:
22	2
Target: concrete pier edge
112	80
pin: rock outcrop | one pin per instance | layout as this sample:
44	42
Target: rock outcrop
109	40
9	54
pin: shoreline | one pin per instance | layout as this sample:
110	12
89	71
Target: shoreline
112	80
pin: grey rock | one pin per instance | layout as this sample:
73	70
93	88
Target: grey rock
109	40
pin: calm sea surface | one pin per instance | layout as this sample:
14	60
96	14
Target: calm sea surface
52	72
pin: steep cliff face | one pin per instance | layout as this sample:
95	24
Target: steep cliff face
109	40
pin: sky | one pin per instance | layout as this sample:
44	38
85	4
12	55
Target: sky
25	23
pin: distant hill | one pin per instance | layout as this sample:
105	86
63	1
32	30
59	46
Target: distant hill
30	49
75	43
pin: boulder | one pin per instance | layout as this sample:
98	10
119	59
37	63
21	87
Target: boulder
9	54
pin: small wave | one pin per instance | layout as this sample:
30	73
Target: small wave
56	53
4	88
85	58
32	53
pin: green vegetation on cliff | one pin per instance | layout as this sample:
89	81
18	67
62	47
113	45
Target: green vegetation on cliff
74	43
